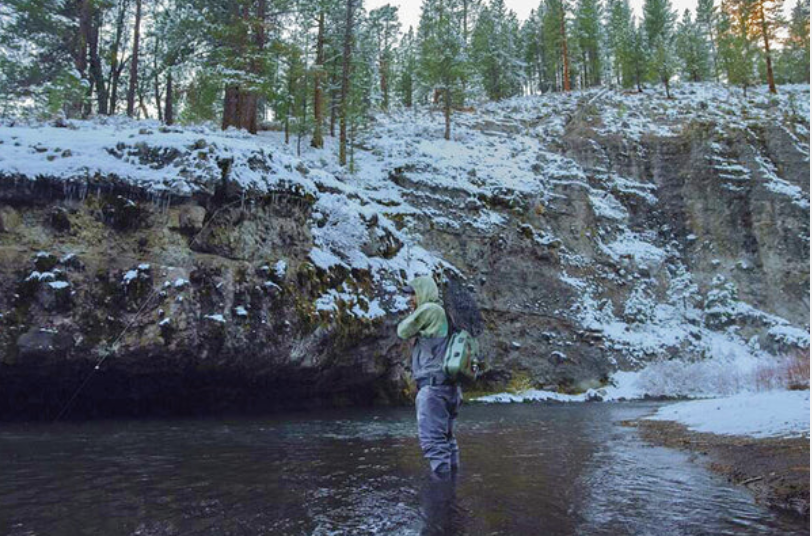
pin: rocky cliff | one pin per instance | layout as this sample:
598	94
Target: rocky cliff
600	232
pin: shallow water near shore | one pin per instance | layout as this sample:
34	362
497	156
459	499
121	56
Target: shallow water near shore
527	469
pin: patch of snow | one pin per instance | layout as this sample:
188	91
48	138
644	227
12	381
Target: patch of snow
762	414
281	268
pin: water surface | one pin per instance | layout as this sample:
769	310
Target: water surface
527	469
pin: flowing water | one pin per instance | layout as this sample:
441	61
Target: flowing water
527	469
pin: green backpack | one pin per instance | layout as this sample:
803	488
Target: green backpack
461	356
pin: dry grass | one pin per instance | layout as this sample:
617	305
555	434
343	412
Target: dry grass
789	372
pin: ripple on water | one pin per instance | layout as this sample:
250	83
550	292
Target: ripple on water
527	469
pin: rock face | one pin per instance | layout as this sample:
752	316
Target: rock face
592	244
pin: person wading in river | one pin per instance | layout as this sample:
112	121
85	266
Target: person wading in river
438	399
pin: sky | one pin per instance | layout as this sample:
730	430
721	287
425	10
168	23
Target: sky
409	10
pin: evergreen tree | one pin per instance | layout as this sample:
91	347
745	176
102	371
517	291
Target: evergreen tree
407	67
692	50
658	21
588	37
495	51
767	20
639	55
385	27
737	47
51	55
442	45
346	66
533	52
707	21
554	30
619	40
795	55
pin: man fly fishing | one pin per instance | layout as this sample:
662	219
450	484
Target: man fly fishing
438	397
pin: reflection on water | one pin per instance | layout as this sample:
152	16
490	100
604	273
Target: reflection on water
526	469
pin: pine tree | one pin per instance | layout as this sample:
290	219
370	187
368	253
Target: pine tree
707	21
495	51
658	21
52	57
619	37
737	47
385	28
533	52
691	49
639	54
441	45
134	61
346	66
407	67
767	20
588	35
318	76
554	30
795	56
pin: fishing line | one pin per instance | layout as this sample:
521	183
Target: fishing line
114	345
107	354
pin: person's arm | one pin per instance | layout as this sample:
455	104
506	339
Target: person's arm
411	325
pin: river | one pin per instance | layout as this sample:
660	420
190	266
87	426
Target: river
526	469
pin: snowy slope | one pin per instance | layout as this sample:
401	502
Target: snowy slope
509	168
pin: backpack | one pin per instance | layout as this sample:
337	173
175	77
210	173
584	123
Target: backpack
462	356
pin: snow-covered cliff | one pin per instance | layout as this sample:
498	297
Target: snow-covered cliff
600	232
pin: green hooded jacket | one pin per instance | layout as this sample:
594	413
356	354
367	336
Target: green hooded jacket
429	319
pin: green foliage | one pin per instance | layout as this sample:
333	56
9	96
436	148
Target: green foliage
658	23
495	51
441	44
620	36
736	43
203	98
588	35
793	59
692	50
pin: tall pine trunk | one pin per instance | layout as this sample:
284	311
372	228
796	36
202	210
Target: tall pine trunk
345	84
768	56
447	111
169	112
566	81
156	82
115	65
240	104
384	66
79	53
333	96
96	72
134	61
318	111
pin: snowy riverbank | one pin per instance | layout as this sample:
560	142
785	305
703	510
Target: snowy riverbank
765	414
759	441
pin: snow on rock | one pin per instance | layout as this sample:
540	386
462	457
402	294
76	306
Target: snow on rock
504	161
760	414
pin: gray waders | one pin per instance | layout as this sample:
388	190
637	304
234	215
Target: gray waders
437	409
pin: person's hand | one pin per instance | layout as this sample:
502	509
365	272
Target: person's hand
413	302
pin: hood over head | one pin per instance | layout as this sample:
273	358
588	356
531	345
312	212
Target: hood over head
425	289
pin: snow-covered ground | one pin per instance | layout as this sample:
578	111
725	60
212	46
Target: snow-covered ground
763	414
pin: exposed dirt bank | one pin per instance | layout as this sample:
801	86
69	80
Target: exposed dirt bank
776	471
